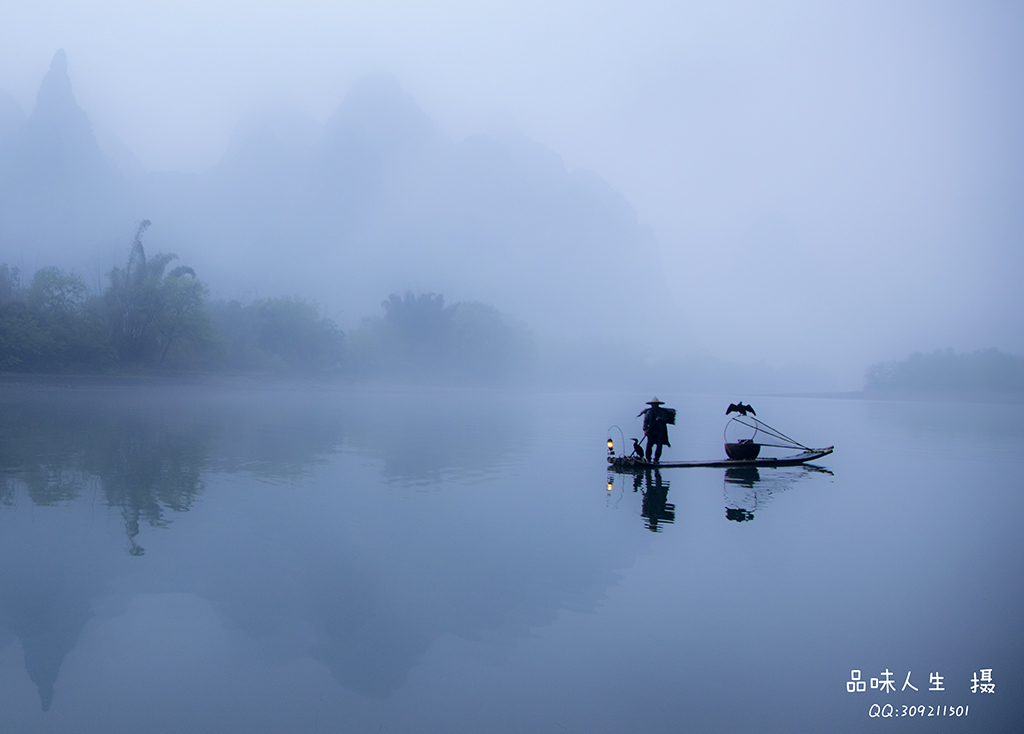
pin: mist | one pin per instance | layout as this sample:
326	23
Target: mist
799	190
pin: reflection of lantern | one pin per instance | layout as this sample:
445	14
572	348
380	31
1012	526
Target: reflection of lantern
610	486
611	446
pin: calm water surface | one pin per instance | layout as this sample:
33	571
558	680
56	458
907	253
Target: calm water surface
247	559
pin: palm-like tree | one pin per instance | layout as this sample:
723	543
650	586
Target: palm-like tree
149	311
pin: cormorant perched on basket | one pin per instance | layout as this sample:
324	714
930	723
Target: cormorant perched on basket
741	409
638	450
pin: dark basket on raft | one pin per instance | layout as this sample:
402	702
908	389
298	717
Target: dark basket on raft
743	449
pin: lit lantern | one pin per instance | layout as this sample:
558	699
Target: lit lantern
611	446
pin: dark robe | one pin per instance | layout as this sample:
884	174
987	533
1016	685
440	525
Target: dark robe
656	425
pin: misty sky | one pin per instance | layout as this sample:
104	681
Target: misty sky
833	183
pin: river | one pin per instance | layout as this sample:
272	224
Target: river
244	557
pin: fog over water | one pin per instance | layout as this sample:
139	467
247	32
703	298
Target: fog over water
798	184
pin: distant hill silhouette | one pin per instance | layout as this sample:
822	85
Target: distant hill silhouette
58	192
383	201
12	119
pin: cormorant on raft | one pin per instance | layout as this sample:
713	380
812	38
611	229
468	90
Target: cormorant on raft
638	450
741	409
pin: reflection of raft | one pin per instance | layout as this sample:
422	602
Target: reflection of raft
631	463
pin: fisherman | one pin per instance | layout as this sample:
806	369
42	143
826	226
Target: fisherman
656	420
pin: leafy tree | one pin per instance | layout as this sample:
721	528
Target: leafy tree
53	326
22	341
485	341
278	335
57	295
10	283
419	336
421	319
184	320
418	330
19	337
59	302
293	327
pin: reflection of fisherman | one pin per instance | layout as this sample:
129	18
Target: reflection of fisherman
656	420
656	507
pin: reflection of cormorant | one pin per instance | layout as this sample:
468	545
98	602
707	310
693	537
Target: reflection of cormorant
740	492
738	514
656	508
740	408
740	503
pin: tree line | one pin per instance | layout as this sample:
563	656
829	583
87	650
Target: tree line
152	317
945	371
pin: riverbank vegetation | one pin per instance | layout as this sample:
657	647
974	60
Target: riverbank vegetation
156	317
945	371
